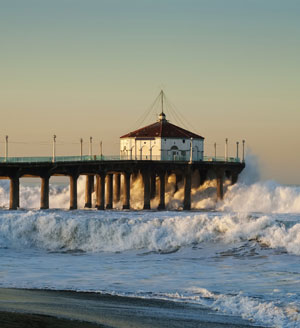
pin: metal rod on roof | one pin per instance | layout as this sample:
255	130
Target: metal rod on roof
162	101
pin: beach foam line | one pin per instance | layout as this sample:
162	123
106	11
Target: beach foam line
113	311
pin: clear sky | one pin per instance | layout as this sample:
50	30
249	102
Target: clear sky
81	68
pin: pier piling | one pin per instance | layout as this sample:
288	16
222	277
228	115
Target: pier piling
187	189
220	178
109	189
146	182
89	186
14	199
126	201
117	187
45	192
73	192
162	187
100	191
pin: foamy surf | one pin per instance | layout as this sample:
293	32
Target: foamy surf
115	232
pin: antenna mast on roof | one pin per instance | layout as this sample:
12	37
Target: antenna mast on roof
162	100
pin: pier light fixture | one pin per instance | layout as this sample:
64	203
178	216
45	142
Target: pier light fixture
101	151
90	148
54	148
215	145
6	148
81	142
191	151
226	149
237	150
243	150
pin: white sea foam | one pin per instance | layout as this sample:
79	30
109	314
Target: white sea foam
114	232
261	312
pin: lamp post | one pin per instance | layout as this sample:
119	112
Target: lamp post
6	148
215	145
237	150
243	150
101	149
191	151
81	141
90	148
226	149
54	148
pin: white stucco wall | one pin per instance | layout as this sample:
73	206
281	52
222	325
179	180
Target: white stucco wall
161	148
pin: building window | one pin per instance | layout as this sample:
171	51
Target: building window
183	140
144	142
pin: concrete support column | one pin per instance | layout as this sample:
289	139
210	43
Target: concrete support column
220	191
117	187
89	188
177	181
146	182
73	192
126	189
152	185
162	187
100	191
109	190
45	192
203	177
187	189
234	178
14	199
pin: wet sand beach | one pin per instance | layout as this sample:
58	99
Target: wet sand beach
24	308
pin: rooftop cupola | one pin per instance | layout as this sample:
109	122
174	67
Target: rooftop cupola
162	117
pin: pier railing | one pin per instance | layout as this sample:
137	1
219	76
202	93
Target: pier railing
87	158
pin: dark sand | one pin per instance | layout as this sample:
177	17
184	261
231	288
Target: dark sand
21	308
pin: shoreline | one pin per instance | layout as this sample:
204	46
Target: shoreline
36	308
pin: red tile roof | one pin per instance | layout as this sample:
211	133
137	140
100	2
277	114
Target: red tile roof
162	129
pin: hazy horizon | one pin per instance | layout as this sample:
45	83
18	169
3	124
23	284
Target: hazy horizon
92	68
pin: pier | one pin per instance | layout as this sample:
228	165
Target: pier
108	176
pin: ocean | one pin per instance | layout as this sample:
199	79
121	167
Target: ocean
237	257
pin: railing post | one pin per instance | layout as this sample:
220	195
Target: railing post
237	151
243	151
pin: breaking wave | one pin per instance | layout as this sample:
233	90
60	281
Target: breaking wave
112	231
